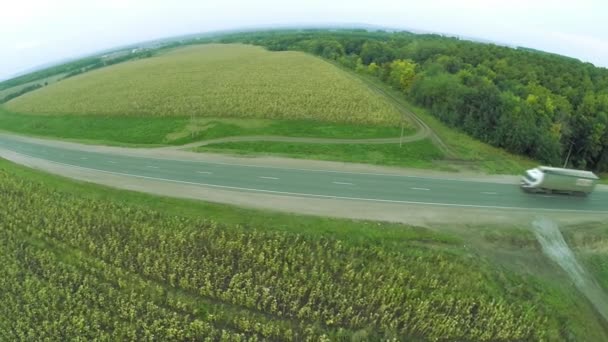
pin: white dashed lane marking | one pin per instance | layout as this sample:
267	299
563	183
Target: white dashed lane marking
266	177
343	183
422	189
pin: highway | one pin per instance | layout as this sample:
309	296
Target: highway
312	183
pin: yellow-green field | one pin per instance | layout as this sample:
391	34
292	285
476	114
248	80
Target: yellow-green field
217	80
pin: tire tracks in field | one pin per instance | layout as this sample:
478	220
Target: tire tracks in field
407	113
419	135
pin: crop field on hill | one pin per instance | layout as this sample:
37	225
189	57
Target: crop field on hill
217	81
117	265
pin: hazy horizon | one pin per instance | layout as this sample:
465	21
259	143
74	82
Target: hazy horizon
38	33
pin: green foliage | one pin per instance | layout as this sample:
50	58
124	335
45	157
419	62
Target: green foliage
80	267
419	154
216	81
402	74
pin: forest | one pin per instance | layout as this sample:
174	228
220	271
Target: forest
551	108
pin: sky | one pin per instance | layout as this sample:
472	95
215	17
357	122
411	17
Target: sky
37	32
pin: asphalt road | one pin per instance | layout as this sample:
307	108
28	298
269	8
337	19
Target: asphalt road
314	183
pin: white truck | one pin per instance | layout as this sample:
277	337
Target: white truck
557	180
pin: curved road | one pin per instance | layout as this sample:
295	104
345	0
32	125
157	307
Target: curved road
381	188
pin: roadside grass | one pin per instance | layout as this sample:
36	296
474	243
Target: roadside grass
604	178
515	248
558	300
590	244
472	153
138	130
418	154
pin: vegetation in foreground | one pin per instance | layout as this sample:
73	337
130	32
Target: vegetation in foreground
591	243
91	262
217	81
418	154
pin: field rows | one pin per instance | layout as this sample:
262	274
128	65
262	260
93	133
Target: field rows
217	81
79	267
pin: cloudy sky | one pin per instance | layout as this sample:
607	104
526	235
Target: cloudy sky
35	32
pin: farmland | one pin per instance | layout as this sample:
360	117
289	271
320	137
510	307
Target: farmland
175	269
217	81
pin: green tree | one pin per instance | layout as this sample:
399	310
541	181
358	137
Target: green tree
402	74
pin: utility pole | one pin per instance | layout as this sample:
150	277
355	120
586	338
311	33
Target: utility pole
401	138
192	121
568	157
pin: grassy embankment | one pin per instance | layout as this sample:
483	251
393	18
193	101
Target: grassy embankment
151	131
120	264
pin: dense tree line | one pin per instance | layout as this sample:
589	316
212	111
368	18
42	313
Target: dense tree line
101	62
529	102
20	92
48	72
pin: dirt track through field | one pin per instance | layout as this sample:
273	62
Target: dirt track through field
419	135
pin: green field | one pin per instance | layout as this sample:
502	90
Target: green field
216	81
89	257
142	130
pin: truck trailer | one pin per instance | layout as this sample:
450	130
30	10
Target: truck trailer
557	180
